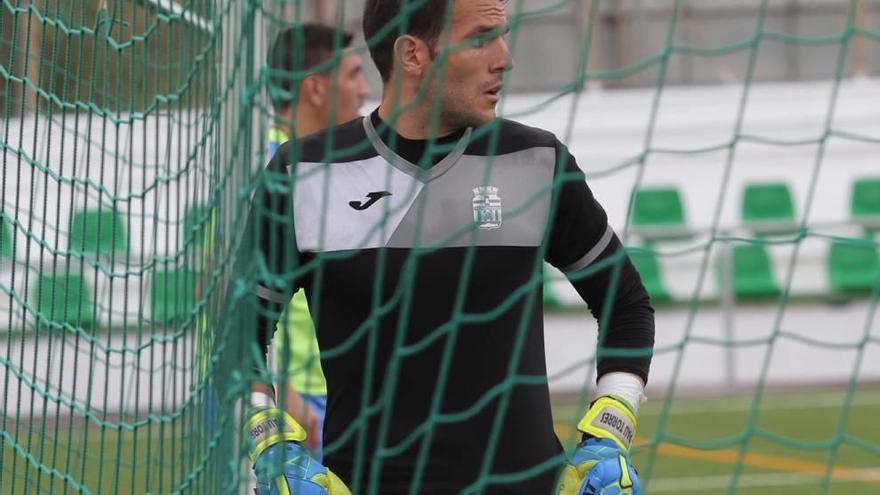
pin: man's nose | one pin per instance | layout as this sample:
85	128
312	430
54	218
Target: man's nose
505	60
365	90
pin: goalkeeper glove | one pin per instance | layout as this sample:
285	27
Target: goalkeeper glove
601	465
282	465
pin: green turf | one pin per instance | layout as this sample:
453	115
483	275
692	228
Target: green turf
694	449
153	460
693	452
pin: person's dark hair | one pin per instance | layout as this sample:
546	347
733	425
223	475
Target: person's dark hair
424	22
319	44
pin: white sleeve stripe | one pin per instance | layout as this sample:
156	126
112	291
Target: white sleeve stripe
270	295
591	256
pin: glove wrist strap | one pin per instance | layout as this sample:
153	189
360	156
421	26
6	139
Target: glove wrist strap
267	426
610	417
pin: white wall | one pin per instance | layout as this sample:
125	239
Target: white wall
709	142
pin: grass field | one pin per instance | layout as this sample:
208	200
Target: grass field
790	442
108	462
693	449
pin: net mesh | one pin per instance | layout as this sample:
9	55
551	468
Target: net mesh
133	136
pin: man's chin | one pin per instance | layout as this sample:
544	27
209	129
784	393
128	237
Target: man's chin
486	118
474	119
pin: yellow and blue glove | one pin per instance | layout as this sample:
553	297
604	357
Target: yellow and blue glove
281	463
601	464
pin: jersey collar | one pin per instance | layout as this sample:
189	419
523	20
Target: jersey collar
409	168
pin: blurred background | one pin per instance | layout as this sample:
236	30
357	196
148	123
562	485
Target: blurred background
734	145
712	40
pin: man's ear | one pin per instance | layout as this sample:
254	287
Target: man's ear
412	55
314	91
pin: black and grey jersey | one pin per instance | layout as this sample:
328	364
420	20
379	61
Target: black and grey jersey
424	284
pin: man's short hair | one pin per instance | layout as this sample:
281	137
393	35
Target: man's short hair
425	22
319	45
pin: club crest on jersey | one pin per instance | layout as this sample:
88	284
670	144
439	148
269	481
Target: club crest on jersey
487	207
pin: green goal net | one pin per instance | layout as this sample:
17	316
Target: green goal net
734	146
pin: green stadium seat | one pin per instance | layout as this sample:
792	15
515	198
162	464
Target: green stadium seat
195	224
63	298
752	275
5	237
649	269
658	214
98	232
865	207
550	299
768	208
172	295
853	267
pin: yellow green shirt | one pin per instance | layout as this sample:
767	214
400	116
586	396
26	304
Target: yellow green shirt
204	337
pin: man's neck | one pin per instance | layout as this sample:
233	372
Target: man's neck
306	122
415	121
416	151
309	121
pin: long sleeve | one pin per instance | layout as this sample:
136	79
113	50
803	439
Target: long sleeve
584	246
263	278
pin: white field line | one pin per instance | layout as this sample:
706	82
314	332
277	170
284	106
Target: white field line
771	402
696	483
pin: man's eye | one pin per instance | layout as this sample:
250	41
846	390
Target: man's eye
482	40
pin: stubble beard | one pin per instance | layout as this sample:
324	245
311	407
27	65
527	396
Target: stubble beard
461	114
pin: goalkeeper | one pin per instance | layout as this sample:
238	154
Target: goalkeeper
332	93
385	222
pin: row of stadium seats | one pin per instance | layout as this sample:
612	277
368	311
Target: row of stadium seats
767	209
658	215
69	297
101	232
853	265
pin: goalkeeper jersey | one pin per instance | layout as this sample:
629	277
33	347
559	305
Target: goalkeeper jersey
424	281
